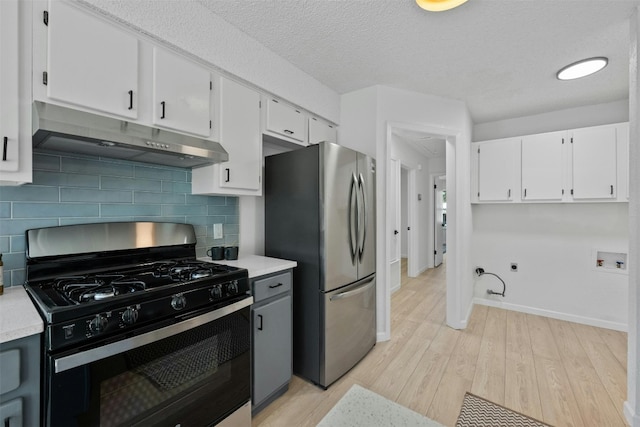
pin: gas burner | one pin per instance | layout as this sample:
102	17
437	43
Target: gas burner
200	273
82	289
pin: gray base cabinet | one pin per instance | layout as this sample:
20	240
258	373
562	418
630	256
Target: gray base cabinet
20	382
271	335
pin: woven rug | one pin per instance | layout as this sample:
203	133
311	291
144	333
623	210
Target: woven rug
478	412
360	407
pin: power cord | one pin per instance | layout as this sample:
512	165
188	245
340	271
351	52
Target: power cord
480	272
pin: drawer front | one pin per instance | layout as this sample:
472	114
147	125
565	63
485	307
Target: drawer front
270	286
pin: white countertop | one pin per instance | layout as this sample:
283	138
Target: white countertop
18	315
256	264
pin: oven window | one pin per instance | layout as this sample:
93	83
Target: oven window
194	378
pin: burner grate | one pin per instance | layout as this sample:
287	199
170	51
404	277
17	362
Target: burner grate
80	289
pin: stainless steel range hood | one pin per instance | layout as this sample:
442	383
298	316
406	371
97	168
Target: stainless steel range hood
64	129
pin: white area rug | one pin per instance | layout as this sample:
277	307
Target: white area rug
360	407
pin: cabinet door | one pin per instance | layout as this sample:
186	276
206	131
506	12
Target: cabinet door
240	136
9	123
271	347
320	131
498	165
181	94
542	169
594	162
285	120
91	63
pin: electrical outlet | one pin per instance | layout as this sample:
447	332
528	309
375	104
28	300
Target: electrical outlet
217	231
514	267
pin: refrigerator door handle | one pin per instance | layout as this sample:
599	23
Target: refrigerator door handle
366	284
361	187
352	233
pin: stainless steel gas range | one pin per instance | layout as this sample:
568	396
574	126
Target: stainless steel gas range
137	331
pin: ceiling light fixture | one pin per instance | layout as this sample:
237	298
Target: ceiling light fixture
439	5
582	68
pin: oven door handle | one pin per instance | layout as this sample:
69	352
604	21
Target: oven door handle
73	361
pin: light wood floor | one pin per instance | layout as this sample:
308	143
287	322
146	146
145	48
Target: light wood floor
562	373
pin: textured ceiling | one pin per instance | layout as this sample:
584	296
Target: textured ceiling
499	56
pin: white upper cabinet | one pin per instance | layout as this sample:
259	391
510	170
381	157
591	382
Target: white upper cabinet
320	131
594	161
239	134
181	94
283	120
542	166
498	168
9	121
90	63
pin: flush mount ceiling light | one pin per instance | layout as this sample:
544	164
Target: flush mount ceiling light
582	68
439	5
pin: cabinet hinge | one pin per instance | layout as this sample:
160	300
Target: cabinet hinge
45	17
572	140
45	78
572	191
563	140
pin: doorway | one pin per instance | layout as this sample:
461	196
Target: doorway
439	219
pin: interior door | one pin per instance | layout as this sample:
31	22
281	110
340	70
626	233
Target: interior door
438	223
338	192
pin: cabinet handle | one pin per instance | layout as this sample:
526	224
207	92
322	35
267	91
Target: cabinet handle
260	318
525	192
287	131
612	190
228	175
4	149
162	103
130	100
509	194
275	286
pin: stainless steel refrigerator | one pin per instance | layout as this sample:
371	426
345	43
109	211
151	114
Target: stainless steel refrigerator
320	211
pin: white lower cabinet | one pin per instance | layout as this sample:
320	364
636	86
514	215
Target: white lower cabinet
498	170
239	134
594	162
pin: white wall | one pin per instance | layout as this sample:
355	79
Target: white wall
553	243
194	29
572	118
553	246
632	405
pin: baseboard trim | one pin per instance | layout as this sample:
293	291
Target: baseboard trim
397	288
591	321
382	336
632	418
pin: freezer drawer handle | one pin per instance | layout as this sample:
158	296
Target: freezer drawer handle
364	287
275	286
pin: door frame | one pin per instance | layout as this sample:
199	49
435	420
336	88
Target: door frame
432	215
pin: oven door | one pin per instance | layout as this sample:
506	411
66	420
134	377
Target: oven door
192	373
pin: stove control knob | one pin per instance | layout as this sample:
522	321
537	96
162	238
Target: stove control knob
129	316
178	302
232	287
98	324
216	292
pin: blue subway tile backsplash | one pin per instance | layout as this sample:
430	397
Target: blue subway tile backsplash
73	189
